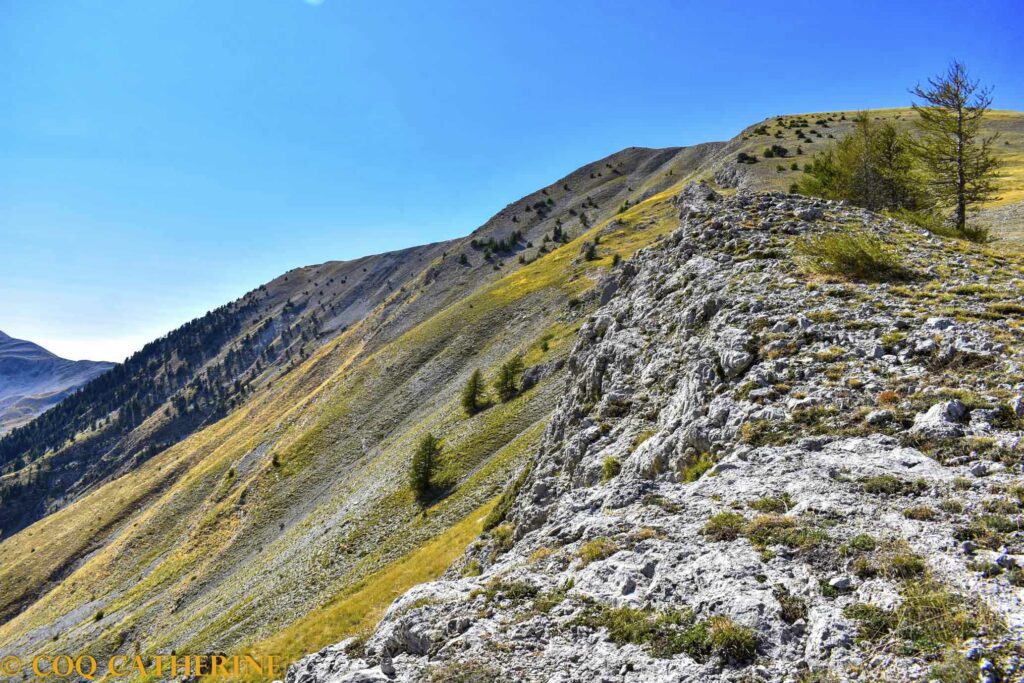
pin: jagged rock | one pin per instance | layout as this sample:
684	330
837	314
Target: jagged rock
878	417
941	421
1017	406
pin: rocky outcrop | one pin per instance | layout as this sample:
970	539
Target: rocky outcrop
753	475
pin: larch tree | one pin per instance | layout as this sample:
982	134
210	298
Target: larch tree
424	462
960	169
473	393
507	382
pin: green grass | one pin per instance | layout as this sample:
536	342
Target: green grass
778	504
930	619
671	632
610	469
597	549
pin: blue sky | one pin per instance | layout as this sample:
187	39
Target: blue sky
160	158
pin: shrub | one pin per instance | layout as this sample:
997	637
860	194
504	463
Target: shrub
885	484
744	158
773	529
920	513
888	398
691	470
791	607
665	634
903	565
516	591
952	506
863	542
929	619
672	632
504	537
850	254
724	526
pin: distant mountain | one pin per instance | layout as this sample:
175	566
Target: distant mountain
32	379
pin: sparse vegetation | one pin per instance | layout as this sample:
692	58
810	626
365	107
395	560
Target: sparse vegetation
929	619
671	632
725	526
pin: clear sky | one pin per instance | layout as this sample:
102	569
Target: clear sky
160	158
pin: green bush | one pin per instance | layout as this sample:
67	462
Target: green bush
691	469
672	632
782	503
850	254
871	167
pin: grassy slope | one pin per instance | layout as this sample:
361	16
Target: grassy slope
212	545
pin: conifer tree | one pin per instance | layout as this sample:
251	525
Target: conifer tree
473	393
957	158
507	382
424	462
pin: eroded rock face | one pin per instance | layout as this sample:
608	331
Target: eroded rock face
788	449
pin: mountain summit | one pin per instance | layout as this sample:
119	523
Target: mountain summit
33	379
